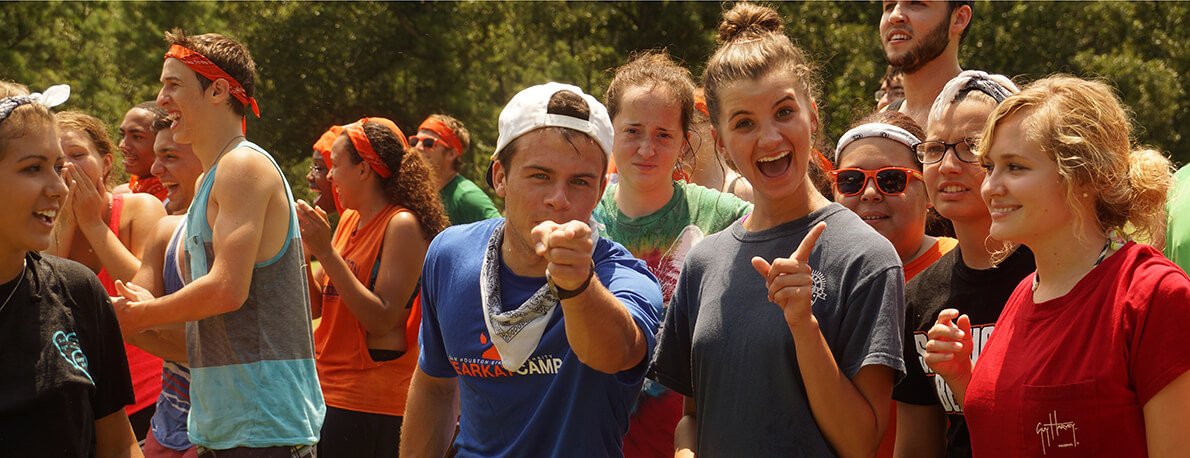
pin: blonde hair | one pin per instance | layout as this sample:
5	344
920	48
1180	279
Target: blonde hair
24	119
1083	126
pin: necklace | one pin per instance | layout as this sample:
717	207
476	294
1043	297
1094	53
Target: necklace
24	265
224	149
1102	256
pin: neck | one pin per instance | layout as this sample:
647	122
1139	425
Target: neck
637	201
1064	259
975	244
924	85
373	204
214	139
922	248
710	172
770	213
445	178
519	255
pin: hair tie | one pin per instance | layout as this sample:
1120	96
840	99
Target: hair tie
363	146
700	104
203	66
443	131
876	129
52	97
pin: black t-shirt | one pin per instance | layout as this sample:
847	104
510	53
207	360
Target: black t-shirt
63	359
981	294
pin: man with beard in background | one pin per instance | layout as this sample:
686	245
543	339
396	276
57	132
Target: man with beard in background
922	40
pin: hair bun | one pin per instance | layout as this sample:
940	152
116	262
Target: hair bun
748	20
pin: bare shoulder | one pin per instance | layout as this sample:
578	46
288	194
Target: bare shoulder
405	225
122	189
143	203
245	171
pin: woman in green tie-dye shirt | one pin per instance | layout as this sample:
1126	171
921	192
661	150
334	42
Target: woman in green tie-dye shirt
651	101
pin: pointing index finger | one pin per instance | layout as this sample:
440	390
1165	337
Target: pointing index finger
803	250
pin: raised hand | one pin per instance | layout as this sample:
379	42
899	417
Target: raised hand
129	295
789	280
86	202
948	352
567	247
316	230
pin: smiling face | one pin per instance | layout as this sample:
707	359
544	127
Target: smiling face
914	33
181	96
320	184
81	152
136	142
346	176
901	218
765	126
32	188
648	137
550	178
953	185
1024	192
178	169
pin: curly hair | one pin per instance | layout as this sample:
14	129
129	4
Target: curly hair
95	131
1084	127
24	119
410	185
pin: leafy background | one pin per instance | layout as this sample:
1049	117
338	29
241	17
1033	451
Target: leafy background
326	63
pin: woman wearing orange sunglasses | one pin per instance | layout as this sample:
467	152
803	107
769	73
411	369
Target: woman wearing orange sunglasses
879	178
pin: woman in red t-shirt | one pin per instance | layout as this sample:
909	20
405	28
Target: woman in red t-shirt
366	288
1089	355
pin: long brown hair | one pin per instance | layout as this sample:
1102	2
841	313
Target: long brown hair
410	185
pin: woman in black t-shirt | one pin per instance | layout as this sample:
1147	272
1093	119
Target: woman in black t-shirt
65	381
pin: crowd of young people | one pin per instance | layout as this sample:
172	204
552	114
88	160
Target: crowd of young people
983	275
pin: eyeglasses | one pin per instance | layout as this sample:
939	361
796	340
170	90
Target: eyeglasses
891	181
929	152
318	169
895	93
427	142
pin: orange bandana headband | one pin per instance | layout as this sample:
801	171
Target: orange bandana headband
363	146
203	66
443	131
700	104
323	145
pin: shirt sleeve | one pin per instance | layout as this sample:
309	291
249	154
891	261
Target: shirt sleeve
1161	353
876	319
432	358
476	206
108	362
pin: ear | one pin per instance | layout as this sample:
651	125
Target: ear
219	91
107	166
500	179
959	19
813	118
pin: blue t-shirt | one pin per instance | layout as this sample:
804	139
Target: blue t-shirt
554	405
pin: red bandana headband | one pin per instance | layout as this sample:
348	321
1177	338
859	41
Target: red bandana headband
203	66
323	145
363	146
443	131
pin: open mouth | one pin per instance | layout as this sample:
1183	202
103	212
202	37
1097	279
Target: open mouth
1001	210
897	37
774	166
174	117
46	216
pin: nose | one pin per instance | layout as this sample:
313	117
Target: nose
556	198
770	137
161	97
871	191
57	187
896	15
646	149
992	186
950	163
157	169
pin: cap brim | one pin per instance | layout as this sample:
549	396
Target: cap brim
488	175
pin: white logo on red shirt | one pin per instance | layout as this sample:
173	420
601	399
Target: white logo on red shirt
1055	431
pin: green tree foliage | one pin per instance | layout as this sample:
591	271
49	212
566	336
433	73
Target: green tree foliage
330	63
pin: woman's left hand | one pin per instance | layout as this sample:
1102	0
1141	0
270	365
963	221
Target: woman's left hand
789	280
86	201
316	229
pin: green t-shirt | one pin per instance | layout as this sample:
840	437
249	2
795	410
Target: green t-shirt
1177	232
465	202
663	238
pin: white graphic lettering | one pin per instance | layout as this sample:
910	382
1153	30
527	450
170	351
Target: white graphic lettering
1054	431
979	337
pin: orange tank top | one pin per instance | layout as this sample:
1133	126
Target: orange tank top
350	379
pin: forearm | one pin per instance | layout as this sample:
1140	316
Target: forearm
431	412
166	342
114	437
686	433
120	263
846	418
202	298
377	316
601	331
958	387
921	431
315	291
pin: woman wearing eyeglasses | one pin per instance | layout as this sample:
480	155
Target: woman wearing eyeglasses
963	278
324	196
879	178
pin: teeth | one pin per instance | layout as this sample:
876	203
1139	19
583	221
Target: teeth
899	36
51	214
773	158
953	189
872	218
1002	209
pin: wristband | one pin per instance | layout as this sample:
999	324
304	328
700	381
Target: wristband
563	294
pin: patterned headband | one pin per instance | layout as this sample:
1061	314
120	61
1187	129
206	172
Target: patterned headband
876	129
998	87
52	97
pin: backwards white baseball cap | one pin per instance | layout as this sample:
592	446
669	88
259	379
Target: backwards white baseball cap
528	111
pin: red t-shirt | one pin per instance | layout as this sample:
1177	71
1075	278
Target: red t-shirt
350	379
1070	376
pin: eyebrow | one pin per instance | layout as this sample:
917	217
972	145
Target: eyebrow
551	171
778	102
